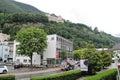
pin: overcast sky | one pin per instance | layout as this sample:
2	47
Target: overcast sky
104	14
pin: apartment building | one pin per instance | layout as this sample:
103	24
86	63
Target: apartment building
57	44
4	53
4	48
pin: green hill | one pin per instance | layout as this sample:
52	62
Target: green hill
21	15
11	6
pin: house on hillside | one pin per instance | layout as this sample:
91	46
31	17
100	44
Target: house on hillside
4	37
53	17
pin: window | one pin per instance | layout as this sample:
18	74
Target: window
52	38
25	60
6	56
29	60
18	60
6	49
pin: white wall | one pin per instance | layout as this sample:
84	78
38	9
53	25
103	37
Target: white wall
4	52
14	50
22	58
51	48
26	60
36	58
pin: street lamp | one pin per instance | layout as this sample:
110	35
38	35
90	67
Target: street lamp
1	50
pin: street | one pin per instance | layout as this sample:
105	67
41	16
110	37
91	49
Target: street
27	73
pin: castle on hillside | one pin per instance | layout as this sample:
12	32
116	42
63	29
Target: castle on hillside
53	17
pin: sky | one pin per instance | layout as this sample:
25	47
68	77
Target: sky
104	14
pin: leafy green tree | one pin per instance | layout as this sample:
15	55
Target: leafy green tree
106	57
96	30
63	55
31	40
79	54
2	20
95	62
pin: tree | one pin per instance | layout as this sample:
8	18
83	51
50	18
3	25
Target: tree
2	20
95	62
96	30
31	40
79	54
106	57
63	55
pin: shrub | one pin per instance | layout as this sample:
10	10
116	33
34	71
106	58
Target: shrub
106	75
69	75
7	77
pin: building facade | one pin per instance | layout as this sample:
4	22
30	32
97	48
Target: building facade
53	17
4	37
36	59
4	53
51	55
57	44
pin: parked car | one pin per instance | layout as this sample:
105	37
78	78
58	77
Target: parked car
3	69
64	66
17	65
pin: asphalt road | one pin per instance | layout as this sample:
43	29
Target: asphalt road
27	73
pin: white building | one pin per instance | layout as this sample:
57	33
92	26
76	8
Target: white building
25	59
52	53
4	48
4	53
56	44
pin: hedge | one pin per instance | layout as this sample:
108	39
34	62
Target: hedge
68	75
7	77
106	75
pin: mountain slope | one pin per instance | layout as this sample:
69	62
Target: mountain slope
11	6
78	33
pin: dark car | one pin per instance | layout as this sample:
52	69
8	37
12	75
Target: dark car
17	65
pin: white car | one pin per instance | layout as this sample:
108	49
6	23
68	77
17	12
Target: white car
3	69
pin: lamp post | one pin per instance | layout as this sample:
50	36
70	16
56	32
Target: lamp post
1	50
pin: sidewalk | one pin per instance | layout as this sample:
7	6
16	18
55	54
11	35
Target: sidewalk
35	72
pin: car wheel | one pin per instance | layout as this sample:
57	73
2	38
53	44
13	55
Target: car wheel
4	72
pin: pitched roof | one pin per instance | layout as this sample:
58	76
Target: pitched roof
116	47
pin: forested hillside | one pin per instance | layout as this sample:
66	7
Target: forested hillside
11	6
78	33
11	23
